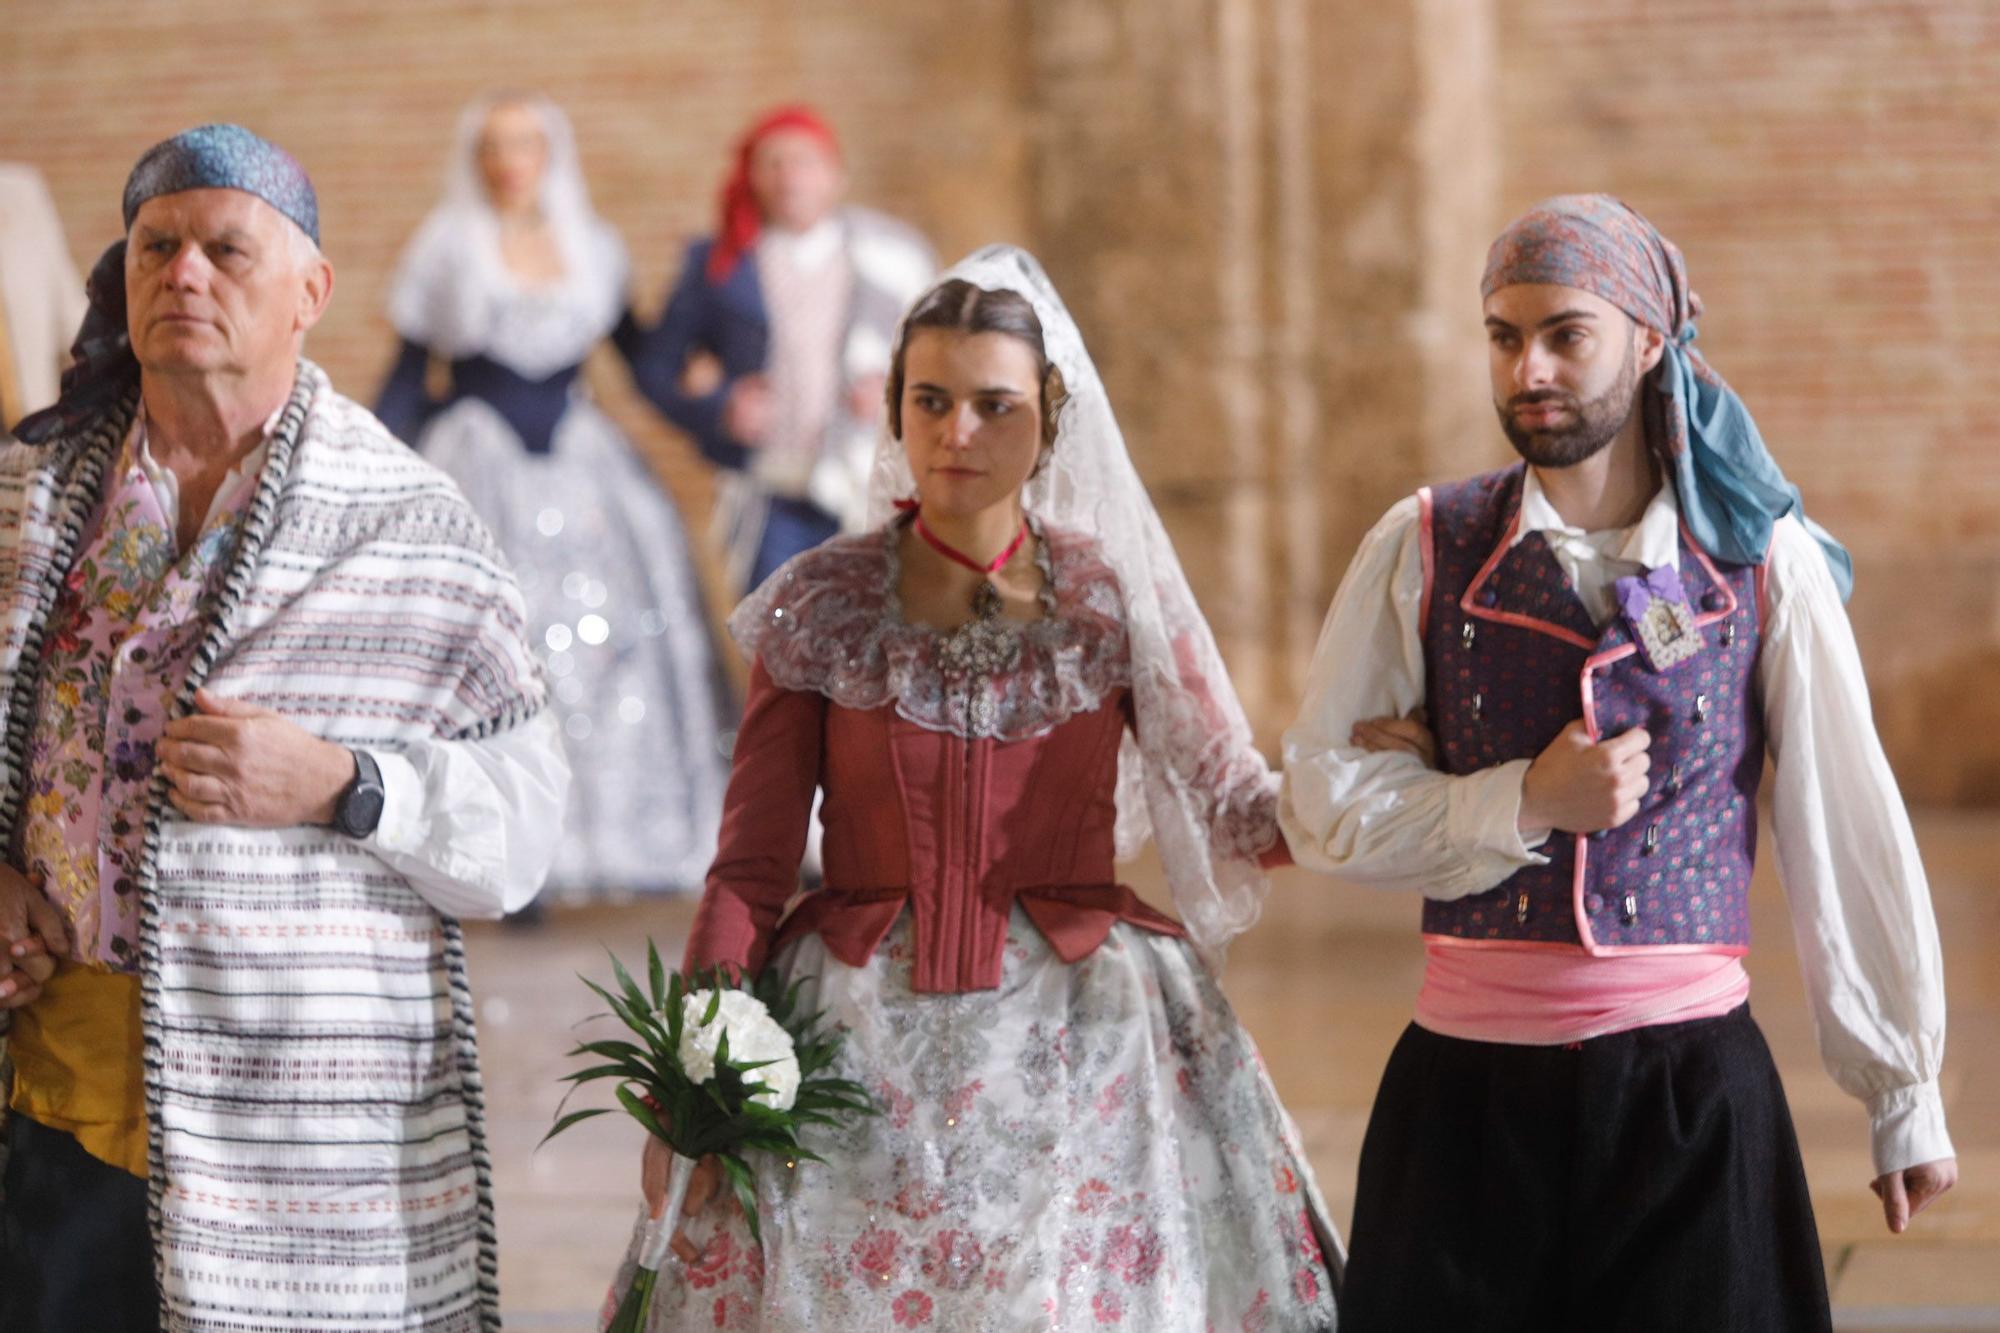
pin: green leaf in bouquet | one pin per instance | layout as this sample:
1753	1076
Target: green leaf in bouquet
637	1012
779	1141
811	1062
780	999
763	1116
656	974
745	1184
635	1019
802	1024
573	1118
623	1052
644	1115
814	1101
718	1097
628	987
714	1008
838	1085
600	1045
814	1118
672	1009
582	1076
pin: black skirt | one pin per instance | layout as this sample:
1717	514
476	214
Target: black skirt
1648	1180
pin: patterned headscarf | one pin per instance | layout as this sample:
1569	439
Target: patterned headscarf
1731	490
208	157
224	157
742	216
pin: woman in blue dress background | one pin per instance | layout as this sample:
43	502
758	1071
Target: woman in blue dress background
512	281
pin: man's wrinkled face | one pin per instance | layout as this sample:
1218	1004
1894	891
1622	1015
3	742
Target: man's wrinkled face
219	282
1566	367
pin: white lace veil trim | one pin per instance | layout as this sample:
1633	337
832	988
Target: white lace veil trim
449	285
1193	779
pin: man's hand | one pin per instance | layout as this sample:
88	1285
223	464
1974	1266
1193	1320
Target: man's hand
746	417
1908	1192
1580	787
236	763
32	936
1411	735
654	1167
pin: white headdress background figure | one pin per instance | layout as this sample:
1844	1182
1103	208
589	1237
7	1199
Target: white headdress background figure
613	593
452	275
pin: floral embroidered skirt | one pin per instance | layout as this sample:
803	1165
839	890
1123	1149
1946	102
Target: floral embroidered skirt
1093	1145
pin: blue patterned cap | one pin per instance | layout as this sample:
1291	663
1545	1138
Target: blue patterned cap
224	157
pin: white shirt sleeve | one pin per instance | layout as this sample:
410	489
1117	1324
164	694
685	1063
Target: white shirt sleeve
1388	820
1861	907
473	825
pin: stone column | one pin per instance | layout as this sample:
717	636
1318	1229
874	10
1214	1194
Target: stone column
1268	216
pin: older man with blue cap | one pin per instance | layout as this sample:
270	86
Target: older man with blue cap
1583	660
271	725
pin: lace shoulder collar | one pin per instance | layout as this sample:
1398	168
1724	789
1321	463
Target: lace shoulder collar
829	622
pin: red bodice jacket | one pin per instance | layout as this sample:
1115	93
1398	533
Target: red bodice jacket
956	796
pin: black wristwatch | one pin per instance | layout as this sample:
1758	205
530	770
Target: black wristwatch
359	808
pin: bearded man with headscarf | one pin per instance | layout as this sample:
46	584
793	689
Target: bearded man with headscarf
794	300
1589	654
271	724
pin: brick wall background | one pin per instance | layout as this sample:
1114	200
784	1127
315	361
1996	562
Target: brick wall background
1269	216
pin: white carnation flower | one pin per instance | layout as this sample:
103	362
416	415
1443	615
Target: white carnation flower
754	1036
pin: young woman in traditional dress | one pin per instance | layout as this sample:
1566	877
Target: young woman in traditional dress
1000	689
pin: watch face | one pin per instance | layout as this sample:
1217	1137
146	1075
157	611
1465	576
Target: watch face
361	811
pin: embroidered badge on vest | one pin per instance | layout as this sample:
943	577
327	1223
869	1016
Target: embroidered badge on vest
1656	607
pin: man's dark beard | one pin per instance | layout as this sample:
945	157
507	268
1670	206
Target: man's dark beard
1596	425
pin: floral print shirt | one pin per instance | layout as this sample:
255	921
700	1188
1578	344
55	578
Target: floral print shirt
123	633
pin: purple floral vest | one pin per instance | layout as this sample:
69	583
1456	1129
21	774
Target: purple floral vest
1512	657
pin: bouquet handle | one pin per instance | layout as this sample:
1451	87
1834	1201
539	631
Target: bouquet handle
658	1236
655	1244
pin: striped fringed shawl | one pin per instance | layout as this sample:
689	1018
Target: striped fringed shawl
312	1088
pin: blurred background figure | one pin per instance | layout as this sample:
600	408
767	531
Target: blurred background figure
41	296
775	341
511	282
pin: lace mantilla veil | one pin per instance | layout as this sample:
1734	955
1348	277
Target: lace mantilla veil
1192	779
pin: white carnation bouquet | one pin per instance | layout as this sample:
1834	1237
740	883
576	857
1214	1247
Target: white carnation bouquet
720	1068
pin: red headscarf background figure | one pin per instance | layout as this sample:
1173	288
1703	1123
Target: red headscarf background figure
795	300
